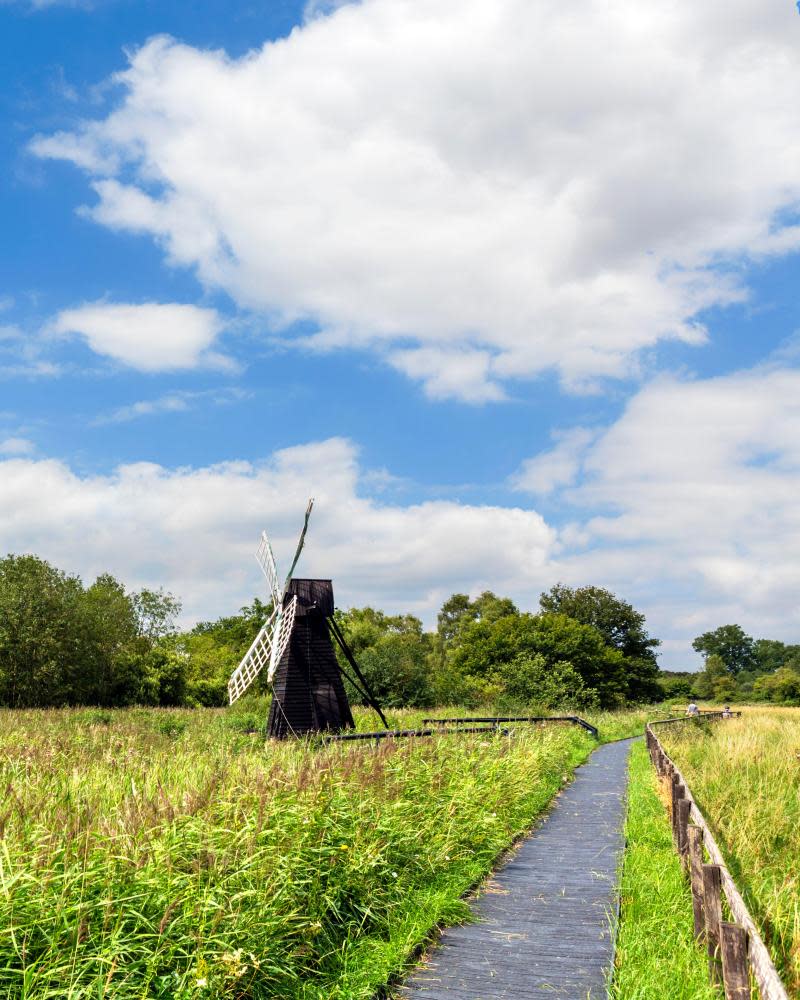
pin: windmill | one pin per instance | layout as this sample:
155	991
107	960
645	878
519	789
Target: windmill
295	644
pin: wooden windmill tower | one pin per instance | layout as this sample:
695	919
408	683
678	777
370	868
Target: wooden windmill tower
295	644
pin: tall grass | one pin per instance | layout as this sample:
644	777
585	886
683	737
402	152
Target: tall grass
174	854
657	955
612	725
745	775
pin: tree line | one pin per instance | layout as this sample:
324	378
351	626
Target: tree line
738	667
64	643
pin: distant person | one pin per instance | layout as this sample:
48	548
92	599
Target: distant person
727	713
692	709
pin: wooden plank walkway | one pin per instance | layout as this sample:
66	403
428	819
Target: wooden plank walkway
545	921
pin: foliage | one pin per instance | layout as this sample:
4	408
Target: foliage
616	620
531	680
398	672
734	647
485	649
770	654
156	612
63	644
657	955
620	625
744	774
214	649
459	611
708	680
782	686
165	854
394	655
676	683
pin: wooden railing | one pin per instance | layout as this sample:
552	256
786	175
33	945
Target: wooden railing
497	719
734	948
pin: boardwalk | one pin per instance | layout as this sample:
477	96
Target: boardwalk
545	920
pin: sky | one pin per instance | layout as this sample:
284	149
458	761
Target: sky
508	286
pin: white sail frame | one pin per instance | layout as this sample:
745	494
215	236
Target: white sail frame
266	650
266	560
270	644
282	633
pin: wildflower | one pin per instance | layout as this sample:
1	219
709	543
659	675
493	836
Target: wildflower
394	874
343	847
201	983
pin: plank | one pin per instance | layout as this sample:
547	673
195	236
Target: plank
545	922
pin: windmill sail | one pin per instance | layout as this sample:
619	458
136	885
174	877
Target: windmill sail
300	545
283	632
266	651
266	560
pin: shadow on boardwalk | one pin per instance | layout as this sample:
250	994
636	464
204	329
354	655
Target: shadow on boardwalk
545	921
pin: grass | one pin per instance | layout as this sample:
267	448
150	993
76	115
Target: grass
611	725
174	854
656	952
745	776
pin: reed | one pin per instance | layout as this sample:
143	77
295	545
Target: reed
174	854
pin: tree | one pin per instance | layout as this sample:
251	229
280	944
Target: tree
622	629
215	648
676	683
709	677
108	674
484	648
156	612
42	634
735	648
768	655
783	686
621	626
397	670
531	680
459	611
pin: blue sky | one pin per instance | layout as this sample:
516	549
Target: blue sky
509	287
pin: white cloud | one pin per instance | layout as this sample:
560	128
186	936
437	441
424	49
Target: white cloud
47	4
151	337
555	468
179	401
692	501
528	185
16	446
195	530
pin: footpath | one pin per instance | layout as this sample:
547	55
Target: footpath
545	922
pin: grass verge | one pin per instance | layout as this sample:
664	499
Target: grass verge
656	952
745	776
172	854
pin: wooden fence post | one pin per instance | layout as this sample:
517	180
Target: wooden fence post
676	794
695	835
736	973
712	888
684	808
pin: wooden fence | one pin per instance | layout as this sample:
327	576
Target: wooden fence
497	719
734	948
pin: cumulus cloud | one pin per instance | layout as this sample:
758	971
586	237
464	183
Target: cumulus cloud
689	502
195	531
151	337
503	187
